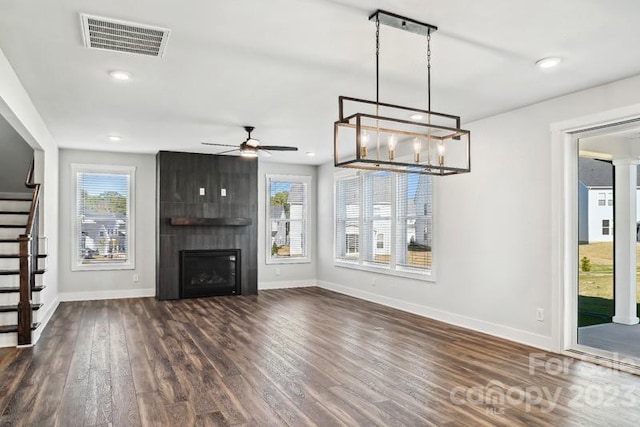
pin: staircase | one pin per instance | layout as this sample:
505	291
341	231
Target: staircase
21	265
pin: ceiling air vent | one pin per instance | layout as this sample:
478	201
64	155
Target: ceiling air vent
123	36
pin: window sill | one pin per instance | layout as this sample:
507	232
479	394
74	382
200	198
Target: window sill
424	277
102	267
271	261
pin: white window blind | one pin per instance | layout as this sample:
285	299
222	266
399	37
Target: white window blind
287	215
377	210
103	220
414	220
385	221
348	210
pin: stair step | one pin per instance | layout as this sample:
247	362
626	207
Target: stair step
10	308
18	256
14	212
13	289
14	328
26	198
12	272
12	225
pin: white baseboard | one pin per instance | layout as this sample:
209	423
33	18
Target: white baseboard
98	295
262	286
44	320
535	340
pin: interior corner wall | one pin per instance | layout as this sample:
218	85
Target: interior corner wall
493	227
271	276
103	284
18	110
15	160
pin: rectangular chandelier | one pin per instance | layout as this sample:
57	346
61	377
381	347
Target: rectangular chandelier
373	135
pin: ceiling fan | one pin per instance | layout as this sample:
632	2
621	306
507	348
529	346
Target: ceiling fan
251	146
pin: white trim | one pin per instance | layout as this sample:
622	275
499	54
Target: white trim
564	209
46	317
535	340
426	276
263	286
131	235
302	179
100	295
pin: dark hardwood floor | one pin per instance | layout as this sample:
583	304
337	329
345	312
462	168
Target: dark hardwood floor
292	357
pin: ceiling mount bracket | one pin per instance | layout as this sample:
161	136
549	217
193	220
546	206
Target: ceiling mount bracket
402	23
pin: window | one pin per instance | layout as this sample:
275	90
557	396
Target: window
607	227
610	199
384	222
602	199
287	202
103	223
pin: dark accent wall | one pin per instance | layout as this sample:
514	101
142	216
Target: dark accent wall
179	179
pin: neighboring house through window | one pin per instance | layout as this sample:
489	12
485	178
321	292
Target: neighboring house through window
287	204
607	227
104	217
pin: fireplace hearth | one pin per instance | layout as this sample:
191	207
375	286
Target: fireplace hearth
209	272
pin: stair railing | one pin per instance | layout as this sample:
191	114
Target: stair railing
28	263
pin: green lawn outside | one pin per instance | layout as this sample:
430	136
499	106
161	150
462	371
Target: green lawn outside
595	287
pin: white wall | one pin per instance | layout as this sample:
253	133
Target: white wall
493	227
291	275
17	109
15	159
80	285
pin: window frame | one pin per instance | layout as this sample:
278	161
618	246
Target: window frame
130	264
363	265
301	179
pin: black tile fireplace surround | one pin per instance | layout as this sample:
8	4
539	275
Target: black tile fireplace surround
206	273
193	215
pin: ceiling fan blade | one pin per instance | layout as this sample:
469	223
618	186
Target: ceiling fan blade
276	148
218	145
228	151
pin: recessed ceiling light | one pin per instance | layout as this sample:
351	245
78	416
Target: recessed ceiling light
549	62
115	138
120	75
416	116
310	153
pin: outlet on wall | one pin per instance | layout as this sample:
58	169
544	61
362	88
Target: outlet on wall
373	281
277	271
136	278
202	191
540	314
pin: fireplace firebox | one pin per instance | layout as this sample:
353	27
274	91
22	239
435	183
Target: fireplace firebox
209	272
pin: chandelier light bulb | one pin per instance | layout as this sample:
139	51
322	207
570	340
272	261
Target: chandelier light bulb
392	146
364	139
441	151
417	146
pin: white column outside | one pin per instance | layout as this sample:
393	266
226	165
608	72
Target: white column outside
624	224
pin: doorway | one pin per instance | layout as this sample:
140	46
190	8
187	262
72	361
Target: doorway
605	319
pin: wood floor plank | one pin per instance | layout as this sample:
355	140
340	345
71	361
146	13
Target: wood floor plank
291	357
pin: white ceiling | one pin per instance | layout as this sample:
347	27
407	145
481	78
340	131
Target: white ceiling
280	65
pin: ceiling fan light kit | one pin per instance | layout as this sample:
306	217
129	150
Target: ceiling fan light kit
373	135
